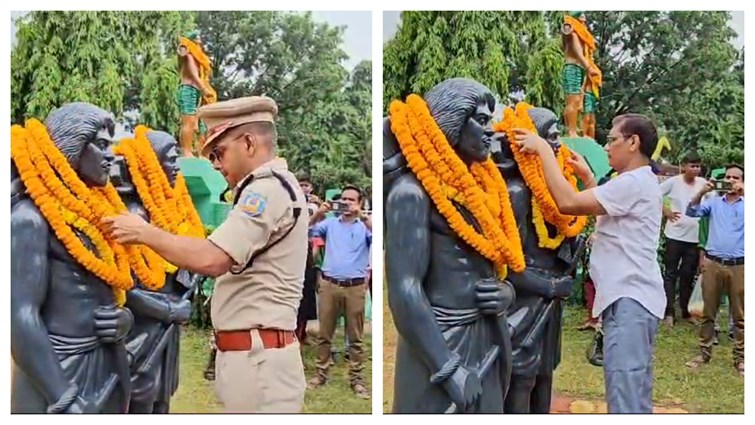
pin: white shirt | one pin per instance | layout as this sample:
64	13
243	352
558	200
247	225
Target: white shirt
623	262
684	229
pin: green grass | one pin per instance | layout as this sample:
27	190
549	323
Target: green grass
196	395
715	388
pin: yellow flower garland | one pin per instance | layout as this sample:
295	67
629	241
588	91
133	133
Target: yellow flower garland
205	67
480	188
170	209
67	204
531	168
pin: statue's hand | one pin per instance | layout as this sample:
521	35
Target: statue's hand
493	296
562	287
111	324
464	388
180	312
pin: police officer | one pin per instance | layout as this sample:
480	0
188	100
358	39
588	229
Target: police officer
258	256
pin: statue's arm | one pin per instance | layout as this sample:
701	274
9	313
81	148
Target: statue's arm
143	303
30	343
529	281
407	257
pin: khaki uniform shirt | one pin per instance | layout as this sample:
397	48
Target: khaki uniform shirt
267	294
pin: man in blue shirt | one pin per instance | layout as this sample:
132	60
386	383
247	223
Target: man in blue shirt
723	269
342	284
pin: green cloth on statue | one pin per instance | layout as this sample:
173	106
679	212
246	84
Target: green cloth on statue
573	78
576	14
188	99
192	35
590	104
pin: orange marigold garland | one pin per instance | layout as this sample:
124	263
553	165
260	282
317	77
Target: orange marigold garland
169	208
68	204
444	176
531	168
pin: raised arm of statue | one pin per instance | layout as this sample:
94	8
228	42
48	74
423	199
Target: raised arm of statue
407	257
31	349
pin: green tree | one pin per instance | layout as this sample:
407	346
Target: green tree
495	48
120	61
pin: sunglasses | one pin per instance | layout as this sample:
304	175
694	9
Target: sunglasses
216	154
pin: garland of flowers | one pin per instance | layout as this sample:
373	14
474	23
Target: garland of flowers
205	67
531	168
170	209
68	204
444	176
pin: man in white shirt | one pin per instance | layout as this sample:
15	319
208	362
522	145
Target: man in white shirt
629	287
682	236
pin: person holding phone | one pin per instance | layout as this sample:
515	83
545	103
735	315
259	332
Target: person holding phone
342	285
681	257
723	268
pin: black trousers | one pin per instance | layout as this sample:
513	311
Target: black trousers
681	262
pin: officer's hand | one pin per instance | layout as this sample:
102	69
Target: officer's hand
127	228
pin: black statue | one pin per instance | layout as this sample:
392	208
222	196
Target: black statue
66	330
435	279
535	316
153	343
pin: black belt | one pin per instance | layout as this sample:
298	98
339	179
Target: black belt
727	261
344	282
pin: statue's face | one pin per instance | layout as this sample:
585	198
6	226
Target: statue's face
118	171
169	163
476	135
552	135
97	158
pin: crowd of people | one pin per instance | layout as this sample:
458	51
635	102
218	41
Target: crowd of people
337	280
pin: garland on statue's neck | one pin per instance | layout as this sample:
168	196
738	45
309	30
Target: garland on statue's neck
544	208
170	209
205	67
588	41
67	203
481	188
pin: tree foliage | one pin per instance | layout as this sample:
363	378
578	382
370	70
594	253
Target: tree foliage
679	68
125	62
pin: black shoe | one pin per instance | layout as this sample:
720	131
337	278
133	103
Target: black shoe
731	335
715	338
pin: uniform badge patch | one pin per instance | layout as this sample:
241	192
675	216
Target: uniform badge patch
253	204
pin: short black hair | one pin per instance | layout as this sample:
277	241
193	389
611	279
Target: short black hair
692	158
354	188
737	166
643	127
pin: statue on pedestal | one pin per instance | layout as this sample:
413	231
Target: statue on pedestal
579	46
67	279
151	171
451	236
195	89
535	316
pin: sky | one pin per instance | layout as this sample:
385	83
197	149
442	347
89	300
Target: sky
391	21
357	38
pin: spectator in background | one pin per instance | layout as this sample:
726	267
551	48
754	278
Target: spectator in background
682	235
723	267
308	306
342	285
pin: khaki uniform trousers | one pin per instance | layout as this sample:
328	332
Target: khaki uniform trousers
261	380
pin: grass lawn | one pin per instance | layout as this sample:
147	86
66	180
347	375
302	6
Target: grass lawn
715	388
196	395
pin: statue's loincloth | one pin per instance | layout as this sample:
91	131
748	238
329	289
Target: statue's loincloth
573	78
